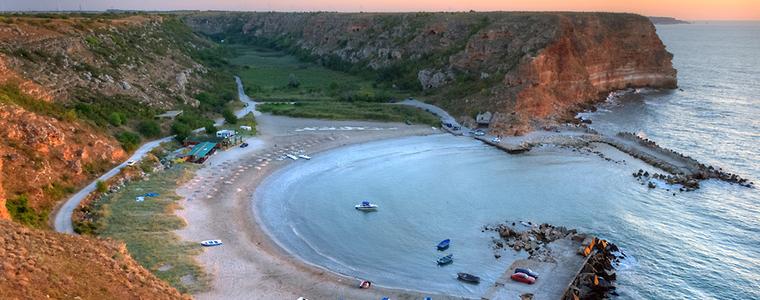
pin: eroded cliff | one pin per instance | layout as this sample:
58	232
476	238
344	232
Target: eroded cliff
38	265
526	68
70	85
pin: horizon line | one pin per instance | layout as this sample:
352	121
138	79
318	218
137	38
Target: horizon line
118	10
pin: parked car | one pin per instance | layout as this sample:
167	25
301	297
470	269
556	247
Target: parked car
524	278
527	271
479	132
243	145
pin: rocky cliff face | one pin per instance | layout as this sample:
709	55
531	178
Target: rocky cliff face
52	69
44	158
131	56
526	68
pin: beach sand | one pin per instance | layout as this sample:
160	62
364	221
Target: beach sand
217	205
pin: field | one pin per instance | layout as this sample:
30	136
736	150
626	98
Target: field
147	228
270	75
318	92
351	111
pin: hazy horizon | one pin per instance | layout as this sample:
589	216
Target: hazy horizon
697	10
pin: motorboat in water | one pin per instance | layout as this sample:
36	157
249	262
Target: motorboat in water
469	278
445	260
443	245
365	205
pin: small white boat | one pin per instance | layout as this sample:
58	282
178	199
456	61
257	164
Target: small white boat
291	156
306	157
366	206
211	243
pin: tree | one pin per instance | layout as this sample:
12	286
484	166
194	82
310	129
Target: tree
229	116
181	131
129	140
210	129
149	128
293	81
116	119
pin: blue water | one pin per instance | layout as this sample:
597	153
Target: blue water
697	245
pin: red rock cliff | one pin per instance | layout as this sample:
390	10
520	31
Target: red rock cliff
527	68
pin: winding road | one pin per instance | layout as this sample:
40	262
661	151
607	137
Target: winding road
62	221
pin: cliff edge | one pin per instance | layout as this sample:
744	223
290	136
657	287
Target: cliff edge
38	265
527	69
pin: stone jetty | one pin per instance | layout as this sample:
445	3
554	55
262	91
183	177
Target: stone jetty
684	170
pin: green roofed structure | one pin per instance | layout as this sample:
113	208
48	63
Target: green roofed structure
201	152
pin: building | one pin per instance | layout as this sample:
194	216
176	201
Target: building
225	133
484	119
201	152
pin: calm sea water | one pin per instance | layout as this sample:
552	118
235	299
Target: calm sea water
697	245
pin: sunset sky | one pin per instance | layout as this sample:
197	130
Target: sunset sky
682	9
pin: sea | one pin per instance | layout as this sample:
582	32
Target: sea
703	244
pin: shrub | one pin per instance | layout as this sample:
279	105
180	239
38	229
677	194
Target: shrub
181	131
129	140
210	129
101	186
20	211
293	81
116	119
229	116
149	128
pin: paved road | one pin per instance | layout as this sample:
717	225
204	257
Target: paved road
62	221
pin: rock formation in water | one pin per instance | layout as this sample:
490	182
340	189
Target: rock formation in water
525	68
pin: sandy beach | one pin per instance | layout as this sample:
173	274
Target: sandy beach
217	205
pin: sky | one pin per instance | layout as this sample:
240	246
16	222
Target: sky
681	9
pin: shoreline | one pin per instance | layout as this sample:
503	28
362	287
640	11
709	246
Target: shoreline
251	260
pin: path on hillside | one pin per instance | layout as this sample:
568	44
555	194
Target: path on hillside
62	221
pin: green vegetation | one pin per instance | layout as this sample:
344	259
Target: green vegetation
351	111
147	228
149	128
229	116
20	212
101	186
271	75
129	140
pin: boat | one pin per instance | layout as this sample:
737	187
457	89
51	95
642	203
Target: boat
365	284
306	157
211	243
468	278
291	156
366	206
443	245
445	260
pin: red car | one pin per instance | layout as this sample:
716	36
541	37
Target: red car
524	278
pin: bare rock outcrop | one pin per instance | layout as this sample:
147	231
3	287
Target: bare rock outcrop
528	68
